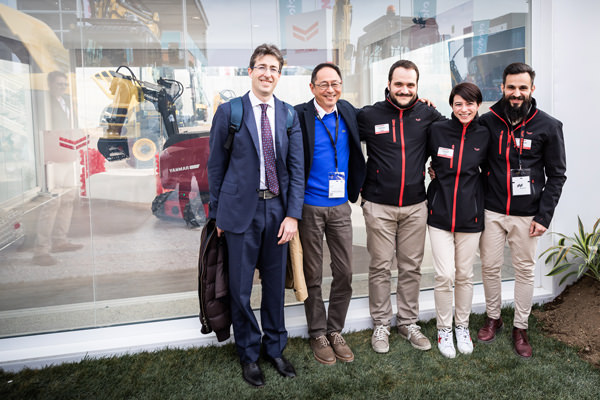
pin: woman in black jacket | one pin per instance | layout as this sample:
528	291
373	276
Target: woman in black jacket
458	148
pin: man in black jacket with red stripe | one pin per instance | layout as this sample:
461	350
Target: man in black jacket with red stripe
525	177
395	211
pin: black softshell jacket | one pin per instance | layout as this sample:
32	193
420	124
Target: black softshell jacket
396	141
455	197
539	142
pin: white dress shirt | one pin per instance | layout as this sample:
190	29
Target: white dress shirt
257	117
322	113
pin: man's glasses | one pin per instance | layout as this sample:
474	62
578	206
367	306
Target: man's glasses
324	85
262	69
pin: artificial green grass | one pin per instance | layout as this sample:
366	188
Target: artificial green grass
493	371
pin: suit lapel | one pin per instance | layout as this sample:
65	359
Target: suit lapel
353	137
250	122
309	120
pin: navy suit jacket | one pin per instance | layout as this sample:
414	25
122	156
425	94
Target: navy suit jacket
356	162
234	178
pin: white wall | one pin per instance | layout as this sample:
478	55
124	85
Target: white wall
566	60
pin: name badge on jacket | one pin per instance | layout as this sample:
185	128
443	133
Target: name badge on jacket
445	152
521	182
383	128
526	143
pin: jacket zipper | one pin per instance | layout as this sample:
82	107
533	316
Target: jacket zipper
394	130
403	148
508	188
403	158
460	153
452	158
508	135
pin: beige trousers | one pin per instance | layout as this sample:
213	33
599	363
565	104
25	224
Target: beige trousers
395	232
453	254
498	229
54	219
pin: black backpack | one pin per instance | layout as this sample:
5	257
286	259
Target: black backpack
235	120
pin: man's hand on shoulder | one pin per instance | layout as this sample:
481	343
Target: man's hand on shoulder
536	229
287	230
428	102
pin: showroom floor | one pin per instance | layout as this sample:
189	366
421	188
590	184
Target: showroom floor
133	267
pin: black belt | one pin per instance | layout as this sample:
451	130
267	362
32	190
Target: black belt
266	194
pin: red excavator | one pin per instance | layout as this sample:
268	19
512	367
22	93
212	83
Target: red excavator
182	183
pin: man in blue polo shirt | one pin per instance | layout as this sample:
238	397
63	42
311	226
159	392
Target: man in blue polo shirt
334	169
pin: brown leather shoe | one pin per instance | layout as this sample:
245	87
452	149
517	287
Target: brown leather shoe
322	350
487	334
521	343
340	348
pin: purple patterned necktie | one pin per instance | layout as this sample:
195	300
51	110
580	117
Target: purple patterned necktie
268	152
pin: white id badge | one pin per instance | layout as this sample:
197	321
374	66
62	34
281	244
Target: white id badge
521	182
445	152
526	143
337	185
382	128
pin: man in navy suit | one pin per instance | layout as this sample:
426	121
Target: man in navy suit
256	197
334	170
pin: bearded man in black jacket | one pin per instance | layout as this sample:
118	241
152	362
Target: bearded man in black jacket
525	176
395	210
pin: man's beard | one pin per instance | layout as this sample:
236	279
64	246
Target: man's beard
516	114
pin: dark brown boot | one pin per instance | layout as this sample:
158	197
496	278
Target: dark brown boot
487	334
521	343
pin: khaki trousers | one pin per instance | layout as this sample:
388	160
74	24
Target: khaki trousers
400	232
54	219
498	229
336	225
453	254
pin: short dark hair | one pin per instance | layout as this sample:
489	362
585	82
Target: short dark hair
518	68
54	75
266	50
468	91
324	65
407	64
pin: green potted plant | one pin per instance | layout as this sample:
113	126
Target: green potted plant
579	250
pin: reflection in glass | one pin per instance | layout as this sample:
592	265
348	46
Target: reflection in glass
137	218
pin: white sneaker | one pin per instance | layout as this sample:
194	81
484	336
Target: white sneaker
380	341
446	343
463	340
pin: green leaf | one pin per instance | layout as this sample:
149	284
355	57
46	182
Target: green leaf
564	278
596	225
562	255
547	260
559	269
580	227
580	256
595	240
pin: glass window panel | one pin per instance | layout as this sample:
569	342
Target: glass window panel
138	218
